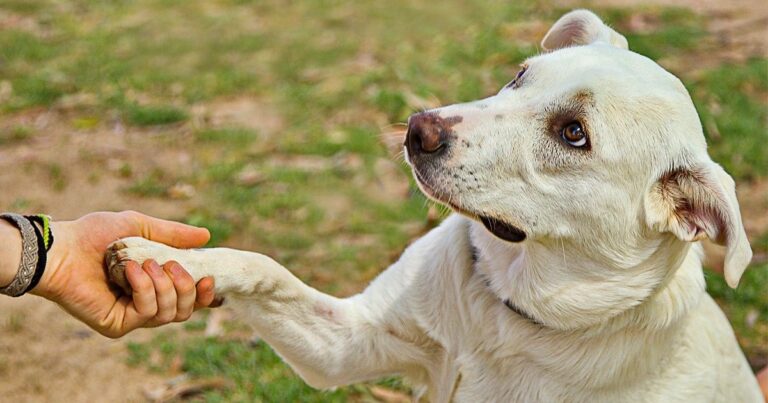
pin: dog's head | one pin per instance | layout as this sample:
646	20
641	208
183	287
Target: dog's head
591	146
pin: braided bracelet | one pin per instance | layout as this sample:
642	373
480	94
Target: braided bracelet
35	243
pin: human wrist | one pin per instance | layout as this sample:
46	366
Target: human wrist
49	286
10	252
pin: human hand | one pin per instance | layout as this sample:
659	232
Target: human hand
75	277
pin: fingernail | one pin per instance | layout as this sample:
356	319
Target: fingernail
209	285
154	268
176	270
133	267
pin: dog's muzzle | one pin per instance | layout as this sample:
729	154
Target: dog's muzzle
429	136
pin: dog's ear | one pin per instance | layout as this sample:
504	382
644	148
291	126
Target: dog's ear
581	27
697	203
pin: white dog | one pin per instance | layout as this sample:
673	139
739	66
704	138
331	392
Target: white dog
571	272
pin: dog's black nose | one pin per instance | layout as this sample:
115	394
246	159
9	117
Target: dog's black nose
428	133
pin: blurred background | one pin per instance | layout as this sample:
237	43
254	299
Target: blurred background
270	123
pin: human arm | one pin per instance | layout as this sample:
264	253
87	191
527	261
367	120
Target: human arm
75	278
10	252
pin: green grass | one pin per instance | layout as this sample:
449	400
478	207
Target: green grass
749	299
220	226
336	73
153	115
670	30
234	136
57	176
14	134
255	372
731	100
152	185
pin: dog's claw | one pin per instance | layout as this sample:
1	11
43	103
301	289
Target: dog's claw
116	263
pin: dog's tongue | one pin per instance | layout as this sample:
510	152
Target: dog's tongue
503	230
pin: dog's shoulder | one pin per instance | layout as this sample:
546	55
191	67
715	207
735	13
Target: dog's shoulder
446	258
450	297
429	280
431	268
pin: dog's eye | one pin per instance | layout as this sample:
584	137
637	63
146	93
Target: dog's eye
516	82
520	73
574	135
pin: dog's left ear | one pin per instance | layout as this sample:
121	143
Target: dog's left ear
581	27
697	203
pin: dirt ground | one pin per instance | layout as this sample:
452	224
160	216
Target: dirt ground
47	356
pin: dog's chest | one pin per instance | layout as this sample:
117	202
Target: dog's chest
513	380
526	368
505	359
498	355
536	371
492	354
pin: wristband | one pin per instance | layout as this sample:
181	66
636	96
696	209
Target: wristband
44	222
29	256
42	254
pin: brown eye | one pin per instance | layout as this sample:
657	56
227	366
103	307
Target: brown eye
574	135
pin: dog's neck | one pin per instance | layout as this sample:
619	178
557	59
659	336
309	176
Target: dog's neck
557	286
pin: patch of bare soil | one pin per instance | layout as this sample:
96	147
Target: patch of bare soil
739	29
67	172
240	112
49	357
45	355
700	6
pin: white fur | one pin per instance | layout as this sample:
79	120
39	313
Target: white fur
607	273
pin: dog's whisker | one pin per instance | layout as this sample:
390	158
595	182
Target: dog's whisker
396	124
392	132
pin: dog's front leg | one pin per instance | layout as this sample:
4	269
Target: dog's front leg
328	341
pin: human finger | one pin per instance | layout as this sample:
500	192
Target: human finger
134	311
205	292
144	297
165	293
762	379
185	290
168	232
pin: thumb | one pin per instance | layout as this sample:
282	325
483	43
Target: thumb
169	232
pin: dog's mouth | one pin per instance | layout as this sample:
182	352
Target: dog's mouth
501	229
507	232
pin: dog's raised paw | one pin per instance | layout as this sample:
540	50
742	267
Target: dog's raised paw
135	249
116	260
